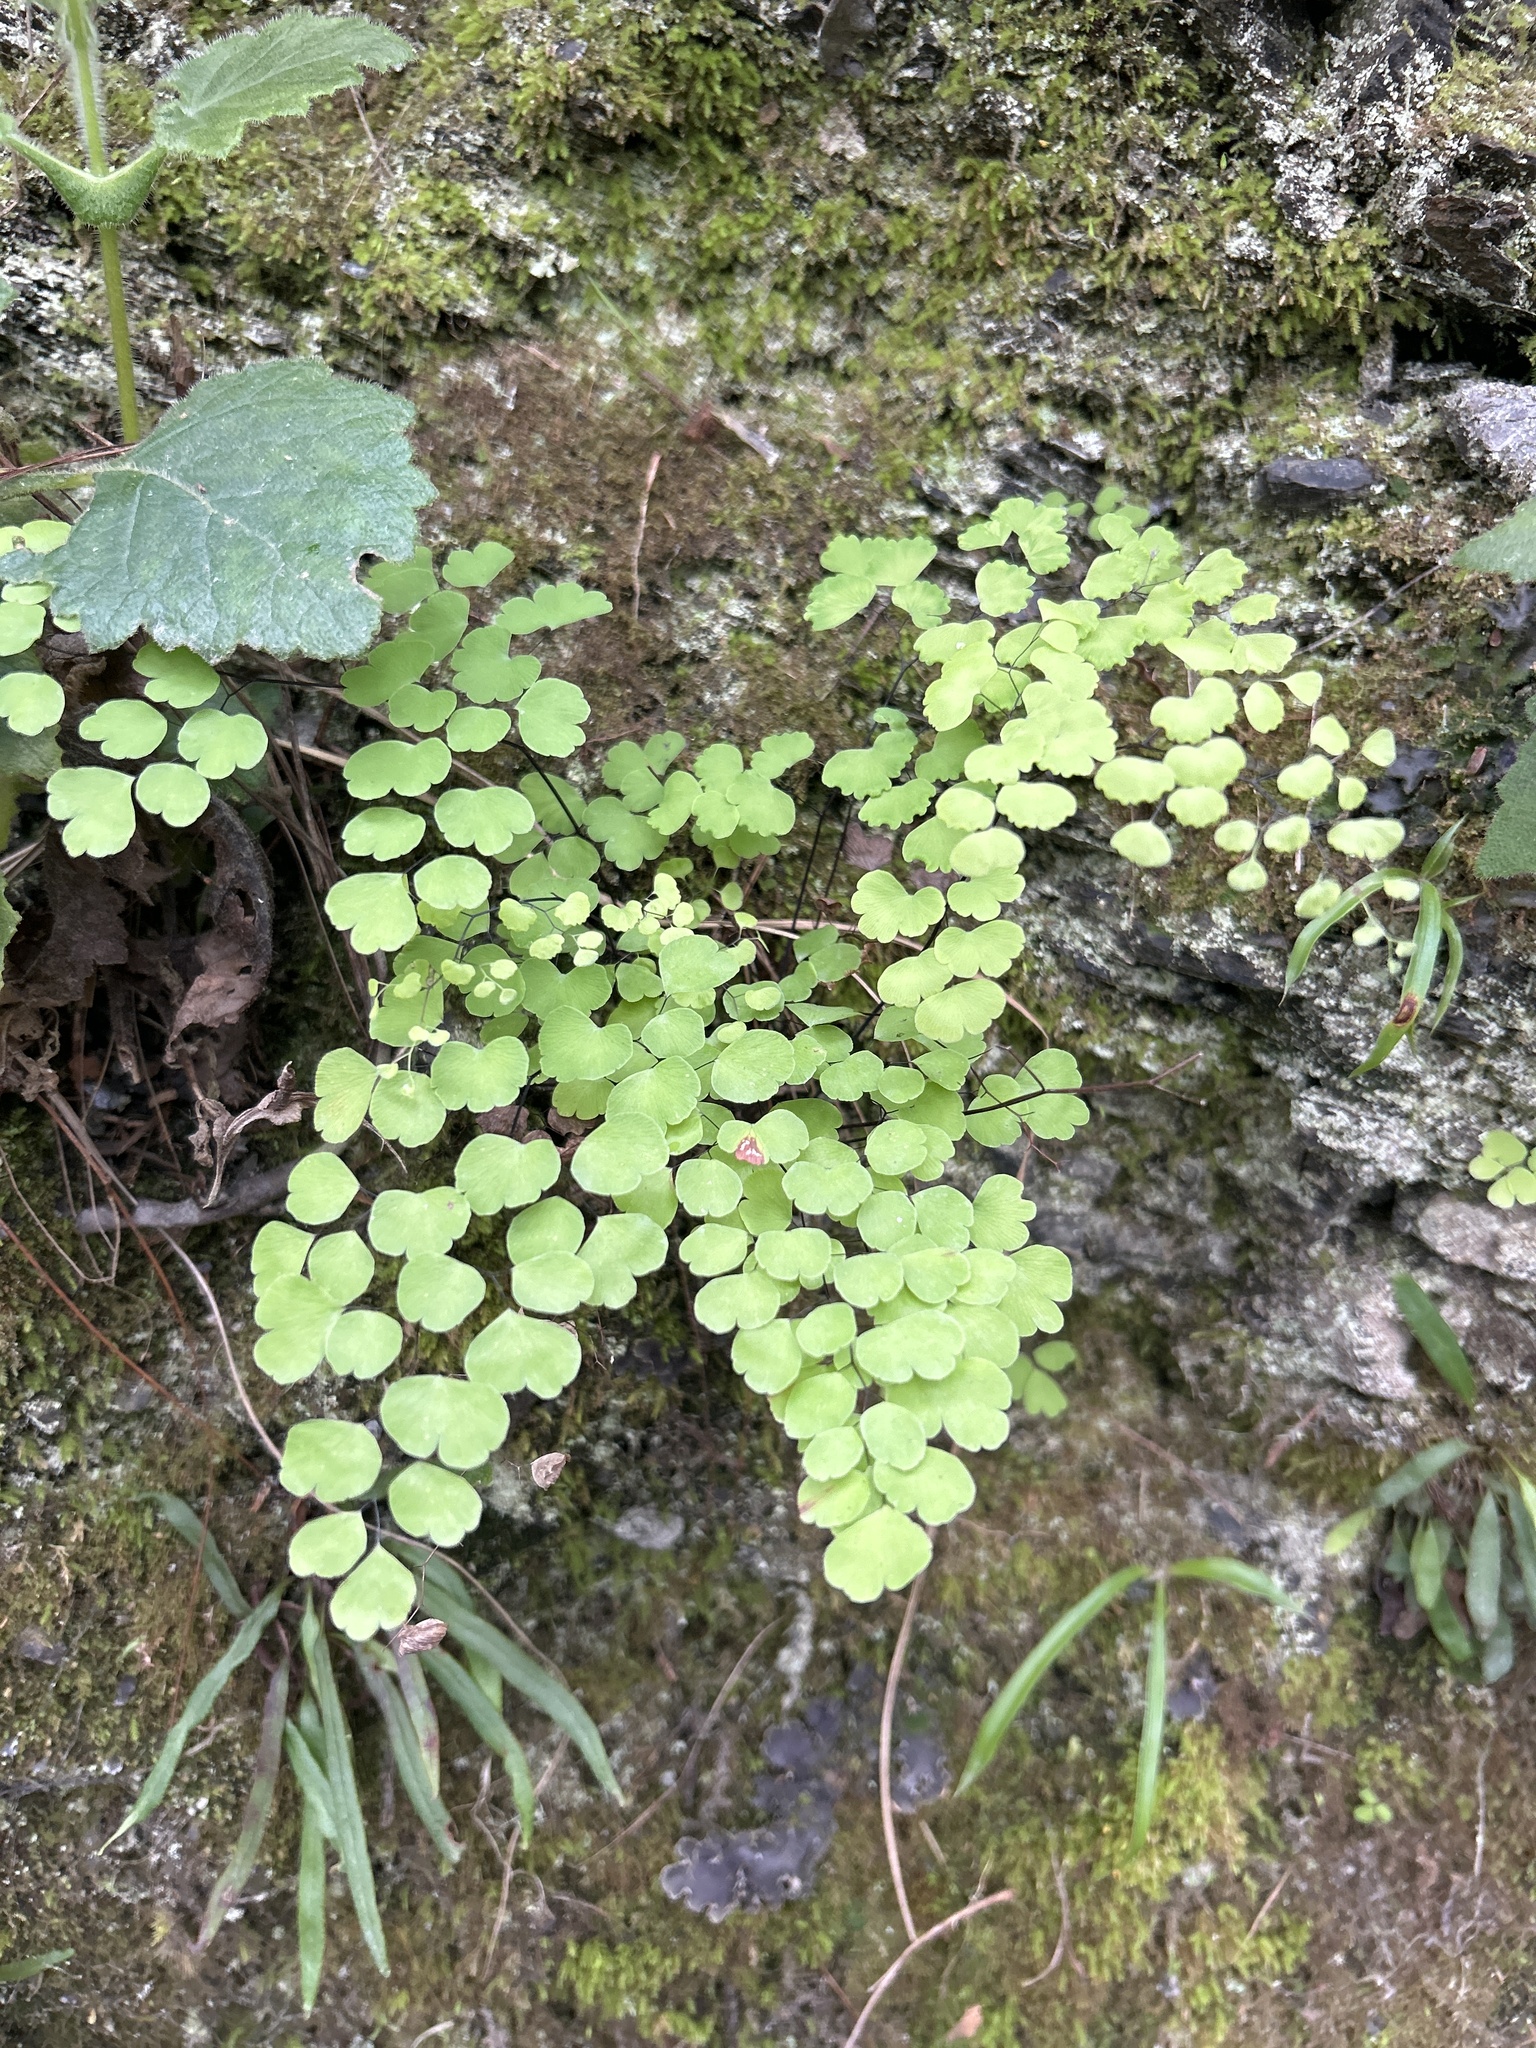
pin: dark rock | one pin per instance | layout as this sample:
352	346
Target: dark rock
847	27
1465	229
1196	1689
752	1867
1299	484
36	1648
124	1691
921	1771
1399	782
1494	428
813	1760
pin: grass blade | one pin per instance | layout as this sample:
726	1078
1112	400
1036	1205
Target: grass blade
1343	1534
33	1966
1520	1502
1438	858
351	1836
1436	1337
1153	1715
418	1704
1427	1556
374	1665
258	1809
1455	960
485	1674
189	1527
1485	1566
312	1779
1418	1471
197	1709
1010	1702
1427	933
313	1834
1242	1578
1449	1633
538	1686
488	1725
1356	894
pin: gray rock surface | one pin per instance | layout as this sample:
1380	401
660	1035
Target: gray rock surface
1494	427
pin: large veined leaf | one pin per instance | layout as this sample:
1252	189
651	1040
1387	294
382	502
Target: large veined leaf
239	520
265	72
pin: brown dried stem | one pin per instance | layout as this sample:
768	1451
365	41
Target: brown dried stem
887	1715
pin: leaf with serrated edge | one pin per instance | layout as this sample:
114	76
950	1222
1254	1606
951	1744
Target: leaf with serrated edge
240	517
263	73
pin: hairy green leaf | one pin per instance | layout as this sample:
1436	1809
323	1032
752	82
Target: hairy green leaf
239	519
262	73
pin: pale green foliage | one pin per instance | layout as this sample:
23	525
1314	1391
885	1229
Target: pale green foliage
789	1139
1503	1163
1010	700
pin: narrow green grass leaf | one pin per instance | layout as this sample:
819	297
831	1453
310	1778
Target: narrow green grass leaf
1436	1337
418	1704
1003	1711
351	1835
33	1966
258	1808
197	1709
1485	1565
1242	1578
477	1710
1455	960
189	1526
1356	894
1418	1471
312	1779
1427	933
1520	1504
378	1675
538	1686
1153	1715
313	1835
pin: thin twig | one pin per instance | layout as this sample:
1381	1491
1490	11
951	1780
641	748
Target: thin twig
229	1357
6	1232
1264	1911
801	924
1176	1463
645	507
1063	1938
883	1984
697	1744
1482	1812
887	1715
72	460
514	1837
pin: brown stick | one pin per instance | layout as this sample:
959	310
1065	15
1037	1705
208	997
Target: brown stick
229	1357
634	560
1177	1464
883	1984
887	1715
1062	1938
106	1344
